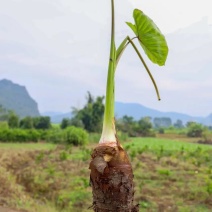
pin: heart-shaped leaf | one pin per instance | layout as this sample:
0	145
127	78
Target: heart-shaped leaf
150	37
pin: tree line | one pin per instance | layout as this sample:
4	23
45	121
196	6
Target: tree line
90	118
13	120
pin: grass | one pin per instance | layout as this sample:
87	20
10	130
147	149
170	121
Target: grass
26	146
170	175
167	144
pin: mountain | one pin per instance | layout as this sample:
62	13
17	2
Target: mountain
208	120
16	98
138	111
57	117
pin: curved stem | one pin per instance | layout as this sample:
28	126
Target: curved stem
146	67
120	51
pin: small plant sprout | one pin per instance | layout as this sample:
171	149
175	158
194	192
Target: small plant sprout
111	172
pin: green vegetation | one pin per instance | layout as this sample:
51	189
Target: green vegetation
162	122
34	129
195	129
114	190
167	144
75	136
26	147
154	45
40	129
71	135
48	177
133	128
89	117
13	120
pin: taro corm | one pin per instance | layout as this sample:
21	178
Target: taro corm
111	174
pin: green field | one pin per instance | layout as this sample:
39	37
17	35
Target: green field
167	144
26	146
170	175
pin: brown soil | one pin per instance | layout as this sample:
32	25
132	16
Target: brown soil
205	142
3	209
161	184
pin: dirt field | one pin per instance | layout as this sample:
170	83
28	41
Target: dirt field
173	176
3	209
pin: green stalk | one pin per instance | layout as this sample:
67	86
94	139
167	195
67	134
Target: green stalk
146	67
120	51
109	131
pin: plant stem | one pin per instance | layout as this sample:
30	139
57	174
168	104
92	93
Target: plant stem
120	51
146	67
109	131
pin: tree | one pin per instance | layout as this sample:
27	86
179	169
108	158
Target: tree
144	126
42	122
127	124
178	124
195	129
65	123
13	120
91	114
162	122
26	123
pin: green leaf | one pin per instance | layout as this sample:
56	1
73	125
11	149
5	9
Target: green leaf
150	37
133	27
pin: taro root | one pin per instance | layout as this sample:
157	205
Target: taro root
111	175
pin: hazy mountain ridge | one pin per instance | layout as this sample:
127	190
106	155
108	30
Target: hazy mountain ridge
16	98
57	117
185	81
138	111
188	66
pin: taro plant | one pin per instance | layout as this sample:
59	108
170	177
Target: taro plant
111	172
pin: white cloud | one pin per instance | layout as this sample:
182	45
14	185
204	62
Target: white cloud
172	15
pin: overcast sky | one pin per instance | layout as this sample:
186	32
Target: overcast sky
59	50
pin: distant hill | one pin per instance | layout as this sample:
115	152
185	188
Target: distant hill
57	117
16	98
138	111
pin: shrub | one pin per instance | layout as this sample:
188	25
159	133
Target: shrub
3	125
42	122
195	130
4	135
26	123
34	135
13	120
161	130
65	123
75	136
54	136
123	136
94	137
19	135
